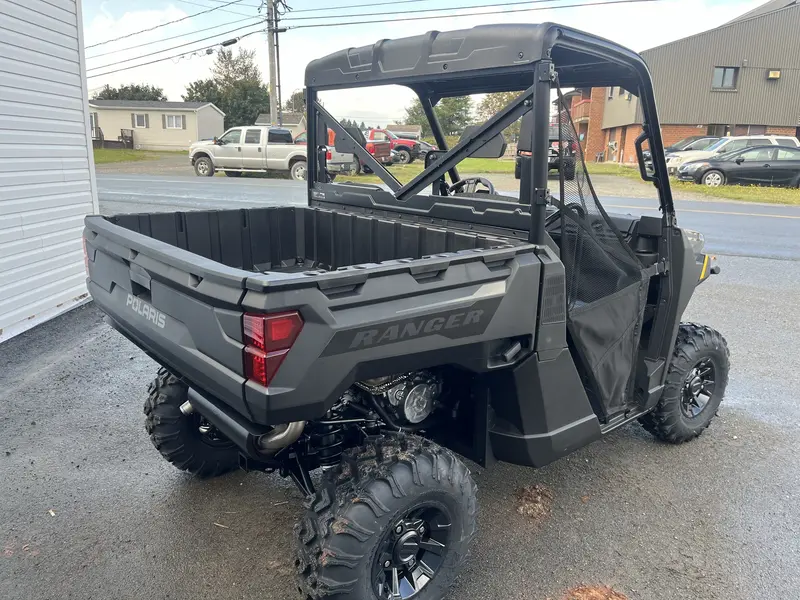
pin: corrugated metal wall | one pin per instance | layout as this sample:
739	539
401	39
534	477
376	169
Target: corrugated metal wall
46	166
682	73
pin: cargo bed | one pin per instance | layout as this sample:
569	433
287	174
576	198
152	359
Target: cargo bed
177	285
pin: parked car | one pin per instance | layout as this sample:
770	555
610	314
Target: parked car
760	165
407	150
725	145
694	142
255	150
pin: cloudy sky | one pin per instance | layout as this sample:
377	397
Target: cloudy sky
636	25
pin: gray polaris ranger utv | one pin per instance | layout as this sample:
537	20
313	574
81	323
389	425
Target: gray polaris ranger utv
379	332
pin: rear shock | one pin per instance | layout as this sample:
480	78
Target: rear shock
328	442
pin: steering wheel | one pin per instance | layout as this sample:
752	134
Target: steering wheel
470	185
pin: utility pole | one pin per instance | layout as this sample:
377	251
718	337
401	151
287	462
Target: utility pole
273	76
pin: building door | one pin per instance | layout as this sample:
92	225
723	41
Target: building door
622	140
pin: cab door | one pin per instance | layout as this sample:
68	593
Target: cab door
253	149
279	145
228	152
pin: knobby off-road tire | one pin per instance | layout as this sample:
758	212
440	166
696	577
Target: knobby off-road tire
178	437
351	521
677	418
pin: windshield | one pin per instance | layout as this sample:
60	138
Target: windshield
717	145
391	135
703	144
684	142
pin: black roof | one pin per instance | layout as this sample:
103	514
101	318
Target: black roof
484	58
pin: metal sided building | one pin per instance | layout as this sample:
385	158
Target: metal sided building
47	182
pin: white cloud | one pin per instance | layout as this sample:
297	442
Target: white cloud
638	26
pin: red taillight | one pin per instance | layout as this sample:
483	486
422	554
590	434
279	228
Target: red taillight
328	155
268	339
370	147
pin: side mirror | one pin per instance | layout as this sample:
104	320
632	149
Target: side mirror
216	140
739	160
495	147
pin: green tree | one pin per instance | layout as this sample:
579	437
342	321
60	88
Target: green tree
493	104
296	102
454	115
235	88
134	91
362	126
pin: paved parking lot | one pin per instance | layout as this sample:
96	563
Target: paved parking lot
90	510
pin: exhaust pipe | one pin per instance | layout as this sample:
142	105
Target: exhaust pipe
280	437
256	441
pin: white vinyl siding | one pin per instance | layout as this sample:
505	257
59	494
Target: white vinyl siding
46	167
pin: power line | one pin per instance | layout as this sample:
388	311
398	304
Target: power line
302	10
119	62
158	60
478	14
422	10
202	12
181	35
221	8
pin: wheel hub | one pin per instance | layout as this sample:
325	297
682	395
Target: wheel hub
698	388
412	554
406	548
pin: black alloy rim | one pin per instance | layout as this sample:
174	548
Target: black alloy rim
698	388
412	553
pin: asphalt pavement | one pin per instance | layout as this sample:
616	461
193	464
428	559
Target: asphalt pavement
89	510
731	228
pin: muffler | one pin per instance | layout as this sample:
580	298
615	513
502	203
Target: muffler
256	441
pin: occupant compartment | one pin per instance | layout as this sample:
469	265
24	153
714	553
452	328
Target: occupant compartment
299	238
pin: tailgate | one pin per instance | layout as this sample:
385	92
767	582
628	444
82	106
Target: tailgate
179	307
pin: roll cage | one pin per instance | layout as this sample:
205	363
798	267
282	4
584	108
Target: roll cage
532	59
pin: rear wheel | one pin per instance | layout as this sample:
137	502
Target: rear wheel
394	522
298	170
695	385
714	178
357	167
187	441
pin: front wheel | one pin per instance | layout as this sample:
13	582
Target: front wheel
298	170
187	441
394	521
695	385
714	178
404	156
203	167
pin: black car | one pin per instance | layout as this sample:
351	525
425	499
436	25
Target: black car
760	165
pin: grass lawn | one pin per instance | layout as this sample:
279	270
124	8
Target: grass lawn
742	193
104	156
405	173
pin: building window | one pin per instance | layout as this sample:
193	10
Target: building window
140	121
725	78
610	93
174	121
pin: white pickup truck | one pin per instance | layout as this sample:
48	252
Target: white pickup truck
258	150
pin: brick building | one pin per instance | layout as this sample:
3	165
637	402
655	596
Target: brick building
741	78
